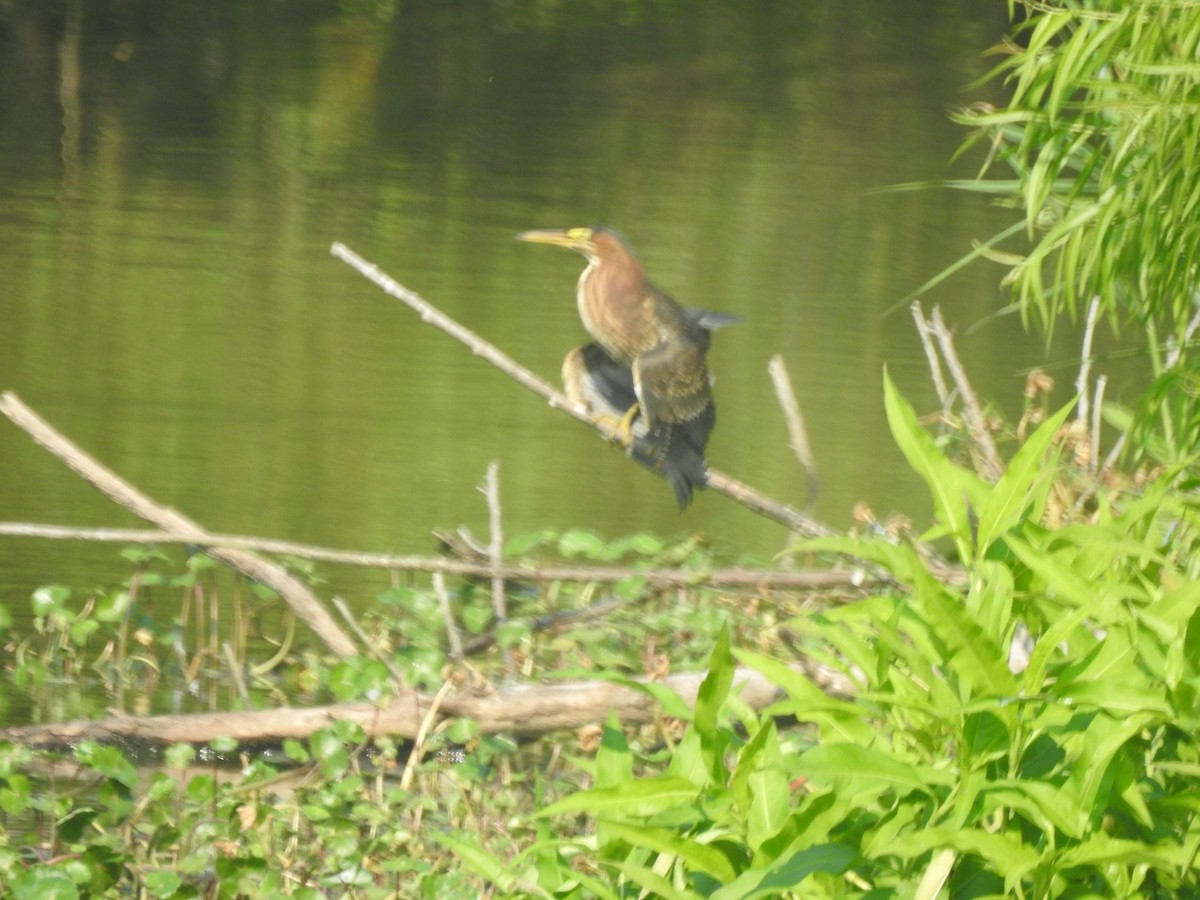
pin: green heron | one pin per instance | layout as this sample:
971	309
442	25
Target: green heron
646	367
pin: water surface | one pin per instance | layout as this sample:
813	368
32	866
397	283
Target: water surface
172	176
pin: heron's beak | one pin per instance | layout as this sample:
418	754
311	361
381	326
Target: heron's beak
563	237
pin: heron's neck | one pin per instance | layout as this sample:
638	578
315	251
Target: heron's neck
609	299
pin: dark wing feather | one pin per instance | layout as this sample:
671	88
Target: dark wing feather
674	450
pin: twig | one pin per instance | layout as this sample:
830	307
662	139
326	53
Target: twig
235	672
1097	408
491	490
1085	365
732	577
719	482
1174	354
976	424
795	424
935	365
452	636
427	722
297	595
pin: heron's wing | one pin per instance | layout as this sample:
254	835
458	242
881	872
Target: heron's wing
593	379
673	450
672	382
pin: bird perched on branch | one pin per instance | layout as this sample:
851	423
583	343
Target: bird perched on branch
645	374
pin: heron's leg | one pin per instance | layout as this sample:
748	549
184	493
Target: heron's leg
619	430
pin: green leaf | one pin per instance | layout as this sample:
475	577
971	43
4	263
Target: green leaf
953	489
614	762
478	860
1012	858
1102	739
853	767
704	857
837	719
1023	486
760	786
1043	804
709	699
653	884
777	879
1101	850
638	799
973	655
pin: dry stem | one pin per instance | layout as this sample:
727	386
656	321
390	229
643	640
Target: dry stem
795	424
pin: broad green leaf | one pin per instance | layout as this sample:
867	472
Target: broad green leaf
853	767
899	559
704	857
689	763
1042	803
779	878
709	700
1012	858
1103	850
948	485
1117	696
760	786
1060	580
1023	485
477	859
838	719
646	797
654	884
974	656
1104	736
614	761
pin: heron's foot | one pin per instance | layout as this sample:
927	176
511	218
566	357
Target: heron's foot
620	430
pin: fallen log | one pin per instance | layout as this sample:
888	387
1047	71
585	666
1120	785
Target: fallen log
523	710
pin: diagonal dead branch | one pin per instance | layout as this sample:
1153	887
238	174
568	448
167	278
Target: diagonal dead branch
744	494
296	594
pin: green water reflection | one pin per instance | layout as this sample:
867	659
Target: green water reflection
172	176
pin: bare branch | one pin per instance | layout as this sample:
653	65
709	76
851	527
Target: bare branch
935	365
795	423
303	601
734	577
453	639
719	482
976	424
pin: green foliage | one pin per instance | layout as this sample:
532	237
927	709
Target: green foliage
1071	774
1102	131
